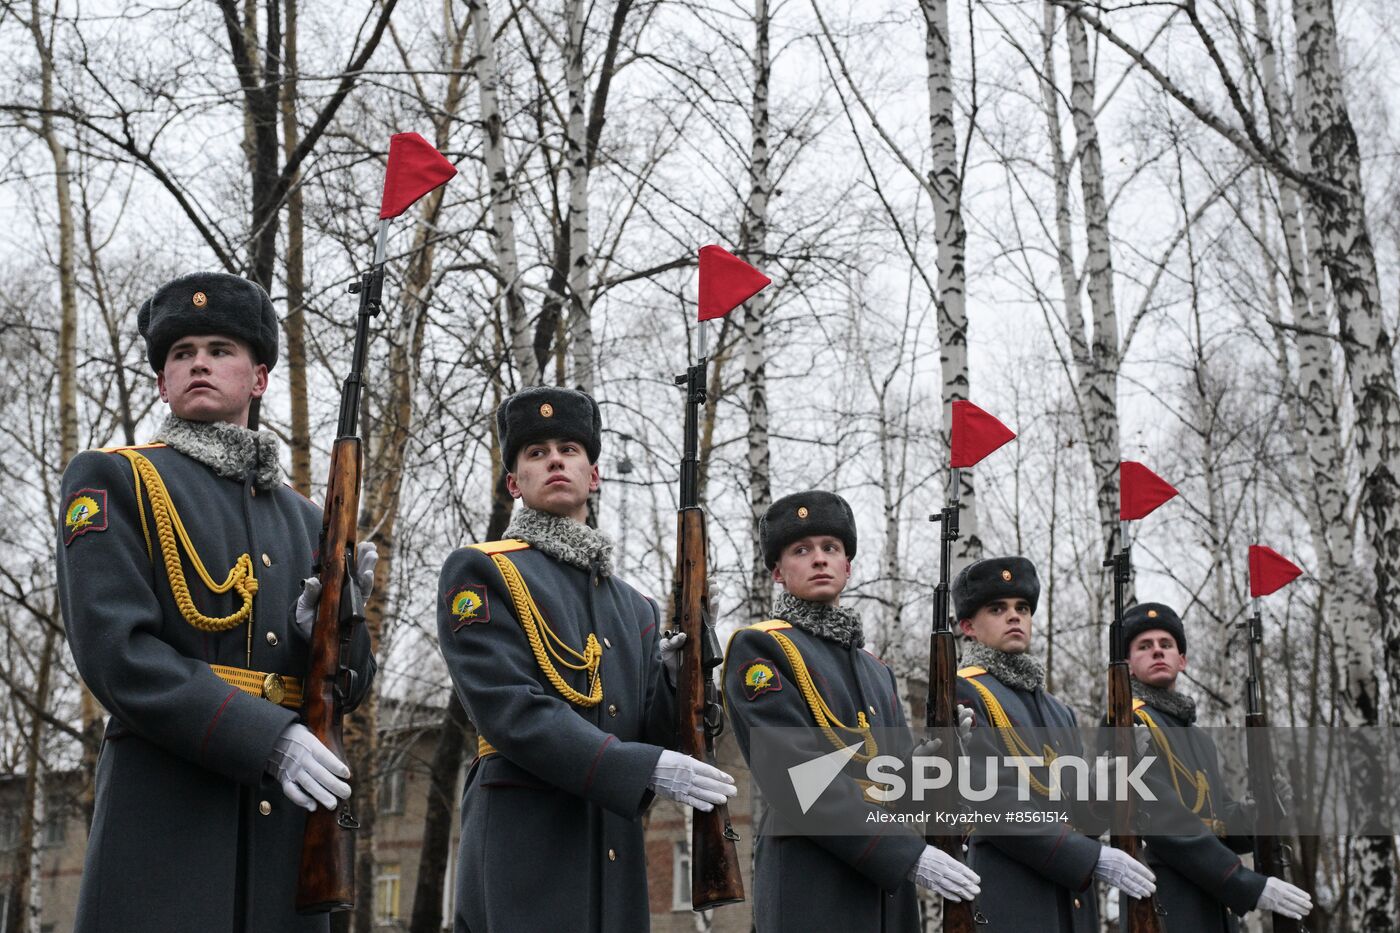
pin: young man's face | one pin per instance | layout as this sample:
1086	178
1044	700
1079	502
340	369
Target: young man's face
1154	659
211	378
554	476
1003	624
814	568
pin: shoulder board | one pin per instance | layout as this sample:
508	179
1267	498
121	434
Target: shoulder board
971	671
501	547
121	447
772	625
1138	704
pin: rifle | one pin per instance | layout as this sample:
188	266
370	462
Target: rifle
715	877
1143	913
327	875
941	707
1271	855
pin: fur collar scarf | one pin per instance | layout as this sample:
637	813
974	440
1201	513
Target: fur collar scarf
1170	702
229	450
830	622
563	539
1019	671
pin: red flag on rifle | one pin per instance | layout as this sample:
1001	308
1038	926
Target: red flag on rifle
1269	570
414	169
1140	490
975	434
726	282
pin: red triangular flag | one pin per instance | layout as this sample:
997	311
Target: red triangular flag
975	434
414	169
1269	570
726	282
1140	490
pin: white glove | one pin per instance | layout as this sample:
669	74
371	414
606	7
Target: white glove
365	559
693	783
671	644
1283	898
930	747
942	874
1125	873
308	772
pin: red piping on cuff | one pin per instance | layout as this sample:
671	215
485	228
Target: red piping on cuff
868	849
587	781
213	722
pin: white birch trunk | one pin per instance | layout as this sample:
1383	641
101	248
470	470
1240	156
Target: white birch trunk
576	154
1327	146
1098	387
502	189
945	184
754	245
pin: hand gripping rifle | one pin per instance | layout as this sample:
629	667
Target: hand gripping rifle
1142	912
715	879
327	875
1271	856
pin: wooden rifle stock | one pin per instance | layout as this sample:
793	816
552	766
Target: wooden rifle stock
1270	853
327	877
715	876
941	709
1143	914
326	881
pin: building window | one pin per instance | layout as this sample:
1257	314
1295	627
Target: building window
386	893
55	822
391	791
9	831
680	876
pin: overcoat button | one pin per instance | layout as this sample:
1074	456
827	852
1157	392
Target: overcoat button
267	561
612	709
264	808
612	855
606	643
272	638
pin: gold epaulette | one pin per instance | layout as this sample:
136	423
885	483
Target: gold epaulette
505	545
483	747
772	625
1138	703
971	671
120	447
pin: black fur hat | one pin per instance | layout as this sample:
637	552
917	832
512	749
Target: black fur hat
544	413
205	303
982	581
1144	617
806	513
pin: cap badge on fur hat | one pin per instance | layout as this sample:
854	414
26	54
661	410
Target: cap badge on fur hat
1152	613
802	512
546	410
200	299
1006	575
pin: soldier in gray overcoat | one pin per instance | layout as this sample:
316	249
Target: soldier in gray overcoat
1038	882
806	669
179	564
1202	885
560	665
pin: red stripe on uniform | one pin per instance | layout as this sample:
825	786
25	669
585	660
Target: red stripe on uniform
594	767
213	722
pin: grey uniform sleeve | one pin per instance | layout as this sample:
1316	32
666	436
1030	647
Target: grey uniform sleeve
1064	857
520	713
661	716
115	626
885	857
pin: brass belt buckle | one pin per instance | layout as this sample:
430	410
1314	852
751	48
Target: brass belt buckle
274	689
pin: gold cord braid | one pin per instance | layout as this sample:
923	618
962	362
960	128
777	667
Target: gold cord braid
169	528
1198	780
1015	745
820	711
543	640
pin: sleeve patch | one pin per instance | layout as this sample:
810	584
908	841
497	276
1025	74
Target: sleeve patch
760	676
469	604
85	510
